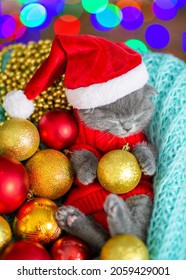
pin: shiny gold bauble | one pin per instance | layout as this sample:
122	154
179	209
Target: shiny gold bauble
118	171
5	233
23	61
19	138
35	221
124	247
50	173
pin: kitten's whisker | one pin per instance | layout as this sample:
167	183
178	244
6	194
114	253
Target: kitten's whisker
102	134
112	139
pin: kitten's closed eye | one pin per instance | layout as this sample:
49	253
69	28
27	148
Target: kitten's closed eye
123	117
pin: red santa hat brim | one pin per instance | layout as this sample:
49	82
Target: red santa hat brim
108	92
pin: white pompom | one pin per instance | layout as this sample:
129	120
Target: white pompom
17	105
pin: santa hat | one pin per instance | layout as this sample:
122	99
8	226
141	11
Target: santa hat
97	71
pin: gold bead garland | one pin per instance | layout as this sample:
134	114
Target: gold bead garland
24	61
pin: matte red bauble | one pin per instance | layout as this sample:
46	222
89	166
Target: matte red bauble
70	248
25	250
14	184
58	129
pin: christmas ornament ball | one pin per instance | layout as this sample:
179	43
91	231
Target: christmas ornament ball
70	248
50	173
14	184
5	233
58	129
25	250
124	247
19	138
118	171
35	221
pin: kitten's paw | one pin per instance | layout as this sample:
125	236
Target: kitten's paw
85	165
66	216
146	158
112	205
86	176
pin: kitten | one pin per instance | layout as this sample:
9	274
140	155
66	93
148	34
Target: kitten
124	117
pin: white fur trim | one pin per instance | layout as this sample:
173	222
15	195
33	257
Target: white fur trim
17	105
105	93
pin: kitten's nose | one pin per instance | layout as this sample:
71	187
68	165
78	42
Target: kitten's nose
128	126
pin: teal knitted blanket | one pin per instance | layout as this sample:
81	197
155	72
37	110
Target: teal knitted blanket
167	232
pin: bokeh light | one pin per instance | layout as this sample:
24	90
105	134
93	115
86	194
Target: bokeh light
67	24
180	3
94	6
132	18
137	45
53	7
76	9
157	36
97	25
7	26
110	17
165	10
184	42
33	15
22	2
29	35
19	30
128	3
146	8
0	8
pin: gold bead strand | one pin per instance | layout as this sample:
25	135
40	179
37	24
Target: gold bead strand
24	61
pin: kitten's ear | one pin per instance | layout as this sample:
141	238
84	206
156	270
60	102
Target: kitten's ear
149	90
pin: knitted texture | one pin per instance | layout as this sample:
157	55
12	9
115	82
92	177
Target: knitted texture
167	232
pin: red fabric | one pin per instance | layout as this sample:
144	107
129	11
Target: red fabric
85	60
90	198
102	142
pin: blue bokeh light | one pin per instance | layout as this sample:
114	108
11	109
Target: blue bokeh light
97	25
165	10
33	15
110	17
132	18
7	26
157	36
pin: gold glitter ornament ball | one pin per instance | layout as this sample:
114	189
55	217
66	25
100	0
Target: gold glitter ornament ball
35	221
5	233
118	171
124	247
19	138
50	173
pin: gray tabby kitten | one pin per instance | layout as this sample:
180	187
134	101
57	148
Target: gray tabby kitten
123	117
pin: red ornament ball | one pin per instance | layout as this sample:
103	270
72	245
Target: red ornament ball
25	250
70	248
58	129
14	184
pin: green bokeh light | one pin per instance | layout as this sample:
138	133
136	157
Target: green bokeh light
22	2
137	45
109	17
33	15
94	6
75	9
